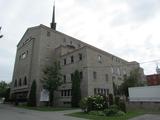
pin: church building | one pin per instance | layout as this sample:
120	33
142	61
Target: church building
41	45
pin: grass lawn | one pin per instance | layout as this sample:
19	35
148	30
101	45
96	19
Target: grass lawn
128	115
45	108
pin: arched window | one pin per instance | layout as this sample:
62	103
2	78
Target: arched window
25	81
15	83
20	82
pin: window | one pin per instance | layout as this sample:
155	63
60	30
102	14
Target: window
101	91
66	93
99	59
112	70
65	61
20	82
94	75
23	55
70	42
118	71
64	79
104	91
15	83
80	56
25	81
72	59
106	77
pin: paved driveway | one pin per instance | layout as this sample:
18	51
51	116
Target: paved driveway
147	117
8	112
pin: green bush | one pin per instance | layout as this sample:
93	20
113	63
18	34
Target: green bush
120	113
112	110
122	106
117	100
83	105
90	103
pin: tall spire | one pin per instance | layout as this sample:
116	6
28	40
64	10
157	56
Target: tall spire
53	24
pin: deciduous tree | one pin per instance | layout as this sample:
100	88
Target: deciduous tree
52	79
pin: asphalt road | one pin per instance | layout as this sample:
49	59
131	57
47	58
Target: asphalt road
8	112
147	117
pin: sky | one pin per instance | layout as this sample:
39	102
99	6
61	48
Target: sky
126	28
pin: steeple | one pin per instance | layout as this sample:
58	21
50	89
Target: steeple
158	69
53	24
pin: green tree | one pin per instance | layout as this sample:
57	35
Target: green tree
32	95
3	88
76	90
52	79
130	81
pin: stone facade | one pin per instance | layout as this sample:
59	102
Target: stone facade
41	45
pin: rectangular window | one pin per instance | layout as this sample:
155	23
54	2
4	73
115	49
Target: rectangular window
99	59
61	92
65	61
105	92
72	59
94	75
112	70
68	91
80	56
65	93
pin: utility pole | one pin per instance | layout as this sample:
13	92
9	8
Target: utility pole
0	31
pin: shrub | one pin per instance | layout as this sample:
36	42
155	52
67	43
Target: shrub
120	113
93	103
112	110
117	100
122	106
83	105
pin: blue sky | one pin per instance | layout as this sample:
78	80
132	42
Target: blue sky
126	28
